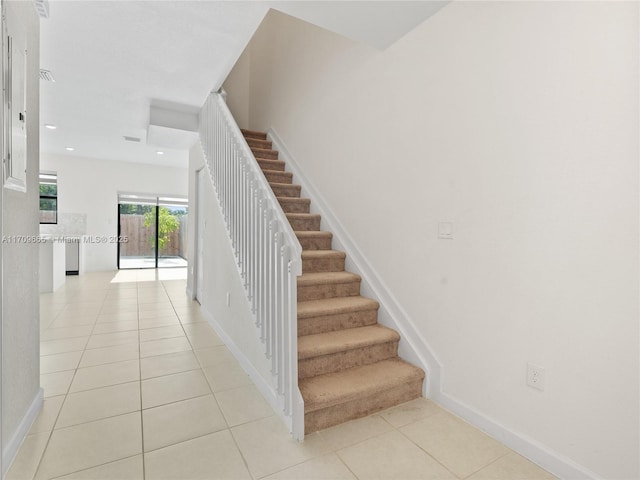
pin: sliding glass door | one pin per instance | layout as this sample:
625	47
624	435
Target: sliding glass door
152	230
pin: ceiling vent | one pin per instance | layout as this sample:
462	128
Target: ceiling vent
42	7
131	139
46	75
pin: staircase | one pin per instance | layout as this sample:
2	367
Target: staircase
348	364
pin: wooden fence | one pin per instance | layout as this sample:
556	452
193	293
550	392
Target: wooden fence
142	239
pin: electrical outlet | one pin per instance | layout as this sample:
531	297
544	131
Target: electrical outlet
535	376
445	230
228	299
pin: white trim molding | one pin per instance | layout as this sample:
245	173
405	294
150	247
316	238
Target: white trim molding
10	450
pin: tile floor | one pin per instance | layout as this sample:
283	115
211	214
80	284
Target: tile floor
138	386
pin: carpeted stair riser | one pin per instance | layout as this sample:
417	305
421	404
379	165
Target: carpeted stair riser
283	190
259	143
264	153
304	222
328	261
276	165
274	176
336	321
361	407
315	240
253	134
328	290
310	367
294	205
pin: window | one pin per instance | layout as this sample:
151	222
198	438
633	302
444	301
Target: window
48	198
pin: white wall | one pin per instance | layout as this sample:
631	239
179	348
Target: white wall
237	87
21	395
518	122
90	186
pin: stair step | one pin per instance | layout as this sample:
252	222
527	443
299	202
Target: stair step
278	177
278	165
304	221
258	143
314	240
327	315
285	190
314	261
265	153
338	397
316	286
342	349
294	205
253	134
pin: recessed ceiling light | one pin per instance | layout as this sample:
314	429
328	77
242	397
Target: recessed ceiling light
49	126
71	149
159	152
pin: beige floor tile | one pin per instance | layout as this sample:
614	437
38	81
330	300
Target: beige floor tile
173	388
164	346
152	303
159	312
512	467
46	419
204	339
462	448
181	421
355	431
112	339
410	412
117	317
196	459
67	321
158	322
26	462
118	353
128	469
63	346
65	332
168	364
242	405
121	294
118	309
212	356
91	444
268	448
111	327
99	403
327	467
191	318
392	456
105	375
159	333
60	362
226	376
56	383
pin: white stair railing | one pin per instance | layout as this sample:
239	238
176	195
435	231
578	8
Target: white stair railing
268	253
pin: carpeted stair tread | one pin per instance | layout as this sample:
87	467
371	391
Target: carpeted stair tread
276	165
308	254
253	134
258	143
328	343
324	278
356	383
335	306
294	204
264	153
285	190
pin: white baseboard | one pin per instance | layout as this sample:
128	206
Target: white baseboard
10	450
263	386
413	346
